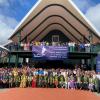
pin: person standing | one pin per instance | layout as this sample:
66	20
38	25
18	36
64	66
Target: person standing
56	81
78	81
91	83
61	81
17	81
66	81
82	81
29	80
1	83
86	81
97	84
45	81
15	74
34	82
10	80
23	81
40	79
51	81
72	82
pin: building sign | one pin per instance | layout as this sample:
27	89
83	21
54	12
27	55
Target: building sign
50	52
98	63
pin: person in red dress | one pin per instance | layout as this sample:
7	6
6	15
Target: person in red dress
34	82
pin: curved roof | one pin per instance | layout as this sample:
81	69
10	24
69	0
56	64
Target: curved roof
3	48
47	15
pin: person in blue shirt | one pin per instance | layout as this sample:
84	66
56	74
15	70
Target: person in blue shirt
82	47
40	71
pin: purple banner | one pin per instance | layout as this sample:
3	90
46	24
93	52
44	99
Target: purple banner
98	63
50	52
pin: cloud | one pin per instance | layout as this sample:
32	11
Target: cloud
11	12
7	24
83	5
4	3
91	11
93	14
24	2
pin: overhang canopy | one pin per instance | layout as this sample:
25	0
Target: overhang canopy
2	48
3	51
48	15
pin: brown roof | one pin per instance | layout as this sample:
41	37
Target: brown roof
63	15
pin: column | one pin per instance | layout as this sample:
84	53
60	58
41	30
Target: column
19	39
91	40
9	56
92	63
17	60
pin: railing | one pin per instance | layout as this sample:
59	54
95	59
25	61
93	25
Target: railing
75	48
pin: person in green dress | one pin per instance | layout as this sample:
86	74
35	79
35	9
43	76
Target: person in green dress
82	81
51	81
85	82
45	81
91	83
78	81
56	81
39	82
17	81
61	81
97	84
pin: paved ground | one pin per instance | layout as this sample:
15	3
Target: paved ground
97	94
46	94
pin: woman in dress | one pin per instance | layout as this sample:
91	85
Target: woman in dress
66	81
29	79
34	82
15	74
56	81
23	81
72	82
91	83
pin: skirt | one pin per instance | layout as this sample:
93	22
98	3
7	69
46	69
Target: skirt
90	86
72	85
33	84
56	83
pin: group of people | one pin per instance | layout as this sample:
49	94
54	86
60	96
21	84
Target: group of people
82	47
49	78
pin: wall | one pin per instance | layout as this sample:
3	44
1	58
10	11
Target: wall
62	37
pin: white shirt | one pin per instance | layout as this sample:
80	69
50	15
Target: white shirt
63	73
98	76
87	45
45	72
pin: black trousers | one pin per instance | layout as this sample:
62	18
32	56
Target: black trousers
78	85
1	84
85	86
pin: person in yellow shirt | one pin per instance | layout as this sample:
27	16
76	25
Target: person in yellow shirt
15	74
23	81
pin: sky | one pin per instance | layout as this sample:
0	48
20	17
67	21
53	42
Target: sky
13	11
